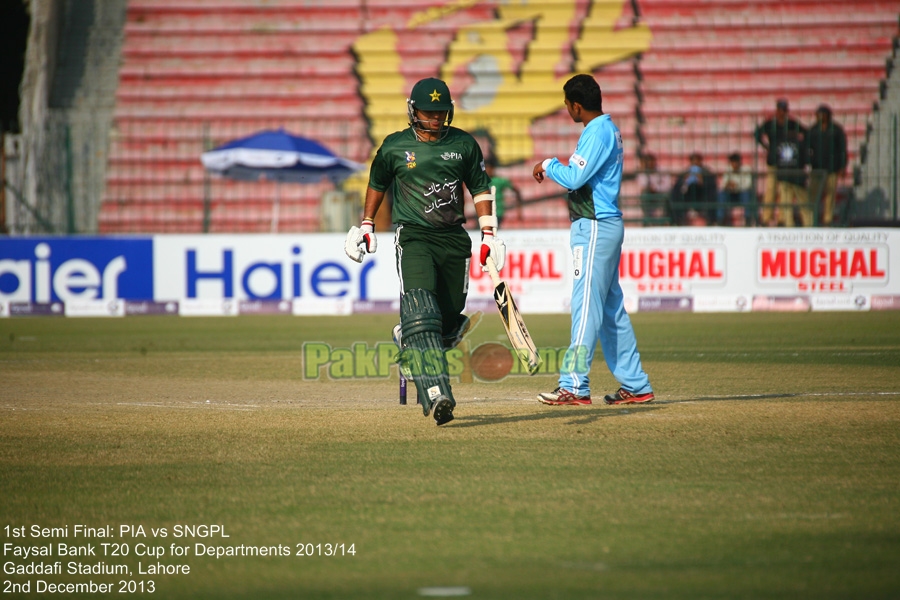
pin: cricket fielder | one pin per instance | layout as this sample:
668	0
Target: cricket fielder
427	164
593	176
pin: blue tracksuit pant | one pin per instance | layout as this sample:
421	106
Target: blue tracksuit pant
598	310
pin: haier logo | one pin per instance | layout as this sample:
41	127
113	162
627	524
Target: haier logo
266	279
261	268
54	270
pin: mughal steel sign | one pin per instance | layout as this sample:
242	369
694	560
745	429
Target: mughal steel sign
828	261
672	270
824	269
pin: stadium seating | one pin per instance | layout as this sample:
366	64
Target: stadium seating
716	67
197	73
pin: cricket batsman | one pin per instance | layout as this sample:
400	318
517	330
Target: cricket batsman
428	164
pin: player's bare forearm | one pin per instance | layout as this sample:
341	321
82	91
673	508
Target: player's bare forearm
374	199
483	209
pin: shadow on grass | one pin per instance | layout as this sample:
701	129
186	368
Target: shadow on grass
742	397
854	396
578	415
581	415
886	396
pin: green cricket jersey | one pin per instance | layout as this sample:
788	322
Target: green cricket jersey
428	177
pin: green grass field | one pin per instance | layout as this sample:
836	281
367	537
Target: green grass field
768	467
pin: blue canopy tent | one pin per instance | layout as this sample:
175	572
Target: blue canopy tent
279	156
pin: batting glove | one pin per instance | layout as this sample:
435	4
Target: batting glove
494	247
361	240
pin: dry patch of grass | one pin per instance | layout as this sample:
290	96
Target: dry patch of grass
746	478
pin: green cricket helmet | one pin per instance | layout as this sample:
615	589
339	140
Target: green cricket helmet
430	94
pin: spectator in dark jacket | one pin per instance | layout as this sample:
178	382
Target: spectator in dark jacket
772	134
694	195
828	159
791	163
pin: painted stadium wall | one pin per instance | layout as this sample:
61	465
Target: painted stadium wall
662	269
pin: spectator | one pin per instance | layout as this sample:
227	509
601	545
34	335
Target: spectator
737	188
791	163
501	185
654	187
828	159
694	194
771	134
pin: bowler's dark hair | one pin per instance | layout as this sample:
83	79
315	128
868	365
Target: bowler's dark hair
584	90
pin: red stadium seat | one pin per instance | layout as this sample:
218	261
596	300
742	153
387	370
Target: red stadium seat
197	73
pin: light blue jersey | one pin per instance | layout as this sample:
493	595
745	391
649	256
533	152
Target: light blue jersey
593	177
594	173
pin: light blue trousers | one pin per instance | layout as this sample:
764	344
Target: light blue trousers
598	311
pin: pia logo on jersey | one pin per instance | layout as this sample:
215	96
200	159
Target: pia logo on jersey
451	156
410	160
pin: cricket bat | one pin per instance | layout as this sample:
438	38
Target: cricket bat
519	337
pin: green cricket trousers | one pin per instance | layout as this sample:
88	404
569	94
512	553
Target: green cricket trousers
436	260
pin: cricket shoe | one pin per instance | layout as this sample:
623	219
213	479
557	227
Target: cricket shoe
623	396
561	397
442	410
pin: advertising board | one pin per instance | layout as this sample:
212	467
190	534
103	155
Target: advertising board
687	269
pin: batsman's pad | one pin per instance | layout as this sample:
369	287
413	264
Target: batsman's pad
423	354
